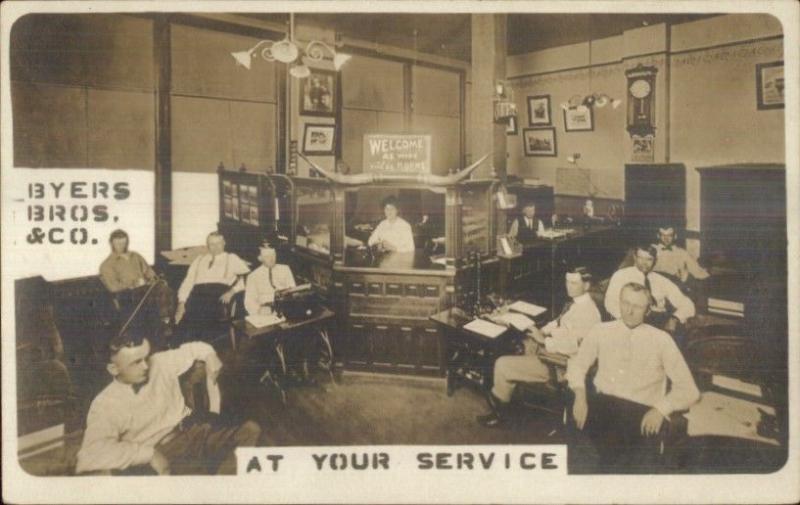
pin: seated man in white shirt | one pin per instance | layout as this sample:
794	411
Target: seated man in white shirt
641	379
674	260
561	335
393	234
210	284
140	423
264	281
670	306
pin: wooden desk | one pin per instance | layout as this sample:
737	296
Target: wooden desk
470	355
277	335
538	274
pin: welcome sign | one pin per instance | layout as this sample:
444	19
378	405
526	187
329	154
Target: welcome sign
397	153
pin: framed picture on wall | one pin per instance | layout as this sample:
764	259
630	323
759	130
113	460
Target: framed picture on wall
578	119
770	85
539	141
511	127
318	139
318	94
539	110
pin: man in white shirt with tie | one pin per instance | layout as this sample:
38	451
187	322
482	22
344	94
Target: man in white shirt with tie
674	260
670	306
561	335
210	284
641	379
140	422
264	281
393	234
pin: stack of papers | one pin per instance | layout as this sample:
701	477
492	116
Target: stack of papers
485	328
518	321
526	308
736	385
261	321
721	415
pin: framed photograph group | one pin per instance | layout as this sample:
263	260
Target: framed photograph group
770	85
578	119
318	94
319	139
539	110
539	141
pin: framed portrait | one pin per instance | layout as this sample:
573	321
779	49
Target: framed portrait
539	110
511	126
318	139
770	85
578	119
539	141
318	94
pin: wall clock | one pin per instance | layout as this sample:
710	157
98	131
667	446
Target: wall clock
641	100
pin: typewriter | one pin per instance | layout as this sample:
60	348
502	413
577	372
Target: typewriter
298	302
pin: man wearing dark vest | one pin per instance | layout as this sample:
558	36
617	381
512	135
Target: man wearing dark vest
526	227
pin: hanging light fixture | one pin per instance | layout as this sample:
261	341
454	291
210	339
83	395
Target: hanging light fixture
288	51
593	98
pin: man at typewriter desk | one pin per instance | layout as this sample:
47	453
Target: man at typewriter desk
561	335
264	281
140	423
128	277
210	284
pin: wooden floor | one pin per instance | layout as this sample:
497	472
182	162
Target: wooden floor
364	409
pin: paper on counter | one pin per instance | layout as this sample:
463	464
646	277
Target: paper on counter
518	321
526	308
736	385
485	328
721	415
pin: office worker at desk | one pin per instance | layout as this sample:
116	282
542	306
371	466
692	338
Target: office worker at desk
264	281
561	335
675	261
634	360
526	227
140	424
670	306
210	284
393	234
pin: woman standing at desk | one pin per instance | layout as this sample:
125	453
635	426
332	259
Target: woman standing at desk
393	234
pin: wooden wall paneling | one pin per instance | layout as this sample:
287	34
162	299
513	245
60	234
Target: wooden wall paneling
48	48
252	126
372	83
436	91
355	123
50	125
163	135
202	65
121	129
200	134
118	51
445	140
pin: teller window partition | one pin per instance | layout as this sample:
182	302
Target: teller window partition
314	204
394	227
477	216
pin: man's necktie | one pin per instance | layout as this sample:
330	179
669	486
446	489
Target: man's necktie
529	223
667	247
272	284
564	310
211	263
649	288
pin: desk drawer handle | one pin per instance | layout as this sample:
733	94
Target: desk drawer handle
431	330
381	327
405	328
